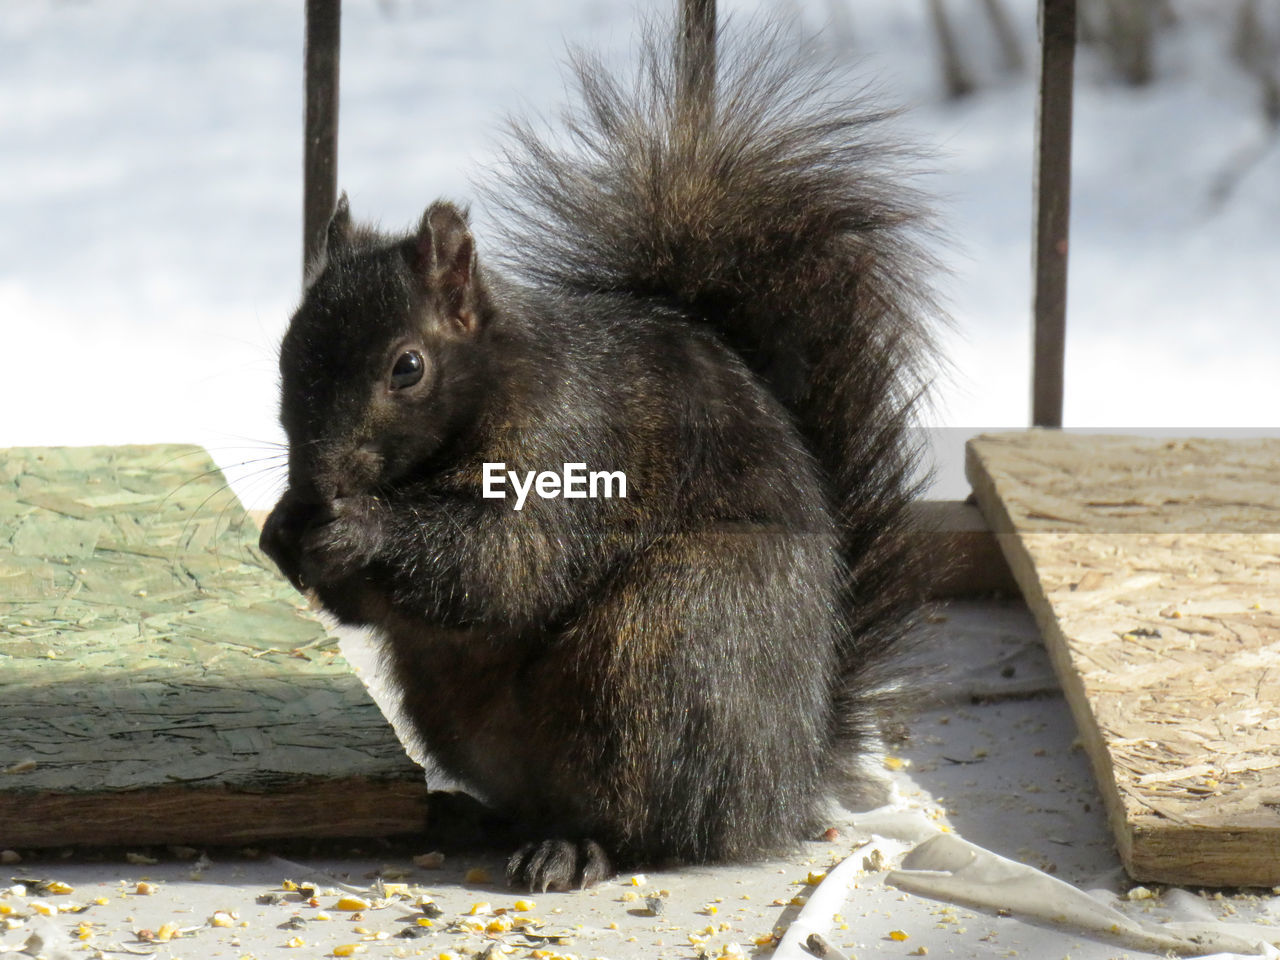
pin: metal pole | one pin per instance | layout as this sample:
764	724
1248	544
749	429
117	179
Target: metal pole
697	55
1052	192
320	150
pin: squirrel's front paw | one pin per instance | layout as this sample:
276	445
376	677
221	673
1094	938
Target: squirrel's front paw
344	540
558	865
283	531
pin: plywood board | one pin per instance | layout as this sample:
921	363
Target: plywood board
159	681
1153	569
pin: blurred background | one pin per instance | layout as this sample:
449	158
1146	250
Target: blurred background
151	196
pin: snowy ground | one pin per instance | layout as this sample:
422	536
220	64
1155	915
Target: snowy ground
149	187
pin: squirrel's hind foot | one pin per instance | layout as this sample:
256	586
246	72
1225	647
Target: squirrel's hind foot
558	865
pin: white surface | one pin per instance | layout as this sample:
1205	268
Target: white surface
150	165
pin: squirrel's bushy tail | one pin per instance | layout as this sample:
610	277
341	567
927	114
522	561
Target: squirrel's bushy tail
784	219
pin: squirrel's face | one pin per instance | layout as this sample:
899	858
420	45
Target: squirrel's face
381	364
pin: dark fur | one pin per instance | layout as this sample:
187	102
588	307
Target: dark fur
735	316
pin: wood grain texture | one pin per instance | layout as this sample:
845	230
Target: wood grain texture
1153	569
158	678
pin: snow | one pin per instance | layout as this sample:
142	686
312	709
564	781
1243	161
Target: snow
150	184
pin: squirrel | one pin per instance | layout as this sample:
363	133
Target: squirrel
729	306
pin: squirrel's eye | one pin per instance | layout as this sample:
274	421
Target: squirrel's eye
407	370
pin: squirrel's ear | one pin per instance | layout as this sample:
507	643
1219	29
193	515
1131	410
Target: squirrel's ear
444	259
338	237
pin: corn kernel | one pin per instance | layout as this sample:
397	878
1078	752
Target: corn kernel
349	949
898	935
351	903
524	906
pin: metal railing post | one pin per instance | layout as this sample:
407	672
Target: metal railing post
320	144
697	55
1052	200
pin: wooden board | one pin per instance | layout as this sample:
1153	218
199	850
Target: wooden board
1153	569
159	681
962	556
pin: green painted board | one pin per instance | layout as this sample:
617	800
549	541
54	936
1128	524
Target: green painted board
159	681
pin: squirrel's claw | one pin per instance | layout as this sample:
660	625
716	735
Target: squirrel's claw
558	865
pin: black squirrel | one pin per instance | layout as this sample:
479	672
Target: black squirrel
731	307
